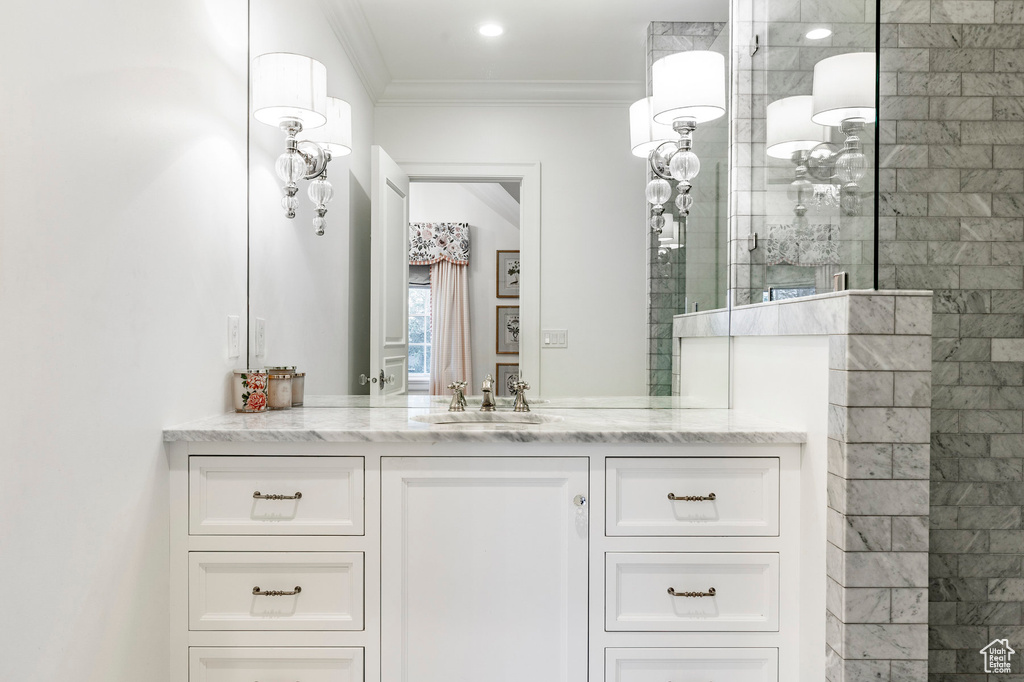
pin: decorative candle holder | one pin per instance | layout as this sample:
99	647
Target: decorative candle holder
298	388
279	395
249	390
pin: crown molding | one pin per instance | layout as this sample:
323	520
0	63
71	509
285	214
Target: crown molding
349	24
511	93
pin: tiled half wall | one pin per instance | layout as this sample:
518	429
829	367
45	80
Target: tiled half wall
877	449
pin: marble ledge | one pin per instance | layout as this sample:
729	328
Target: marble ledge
844	312
395	425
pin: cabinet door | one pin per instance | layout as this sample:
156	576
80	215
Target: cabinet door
484	569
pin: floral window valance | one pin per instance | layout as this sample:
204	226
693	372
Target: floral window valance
802	244
432	242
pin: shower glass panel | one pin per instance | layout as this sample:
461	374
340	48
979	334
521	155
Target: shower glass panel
810	212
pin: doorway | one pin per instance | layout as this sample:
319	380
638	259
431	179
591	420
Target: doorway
474	227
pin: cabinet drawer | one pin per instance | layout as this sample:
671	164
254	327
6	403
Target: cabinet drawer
245	664
745	585
745	491
223	495
222	590
691	665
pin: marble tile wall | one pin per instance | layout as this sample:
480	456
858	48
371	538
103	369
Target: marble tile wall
694	275
952	220
878	429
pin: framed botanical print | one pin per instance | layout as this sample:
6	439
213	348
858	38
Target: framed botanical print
507	331
505	376
507	274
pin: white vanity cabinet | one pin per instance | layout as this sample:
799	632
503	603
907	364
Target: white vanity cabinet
505	561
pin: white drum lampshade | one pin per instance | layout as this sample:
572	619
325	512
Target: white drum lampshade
844	88
644	134
289	87
689	84
336	134
790	128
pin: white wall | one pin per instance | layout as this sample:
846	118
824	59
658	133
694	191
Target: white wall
785	379
593	258
122	252
312	291
438	202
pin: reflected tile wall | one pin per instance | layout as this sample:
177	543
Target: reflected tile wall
782	66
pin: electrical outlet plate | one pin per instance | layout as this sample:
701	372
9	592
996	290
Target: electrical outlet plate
555	338
261	336
233	336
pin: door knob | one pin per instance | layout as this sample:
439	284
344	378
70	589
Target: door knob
580	500
363	380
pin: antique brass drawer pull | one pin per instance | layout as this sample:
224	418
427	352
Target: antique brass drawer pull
260	496
693	498
275	593
710	593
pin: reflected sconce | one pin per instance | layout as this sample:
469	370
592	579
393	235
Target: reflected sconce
844	97
289	91
791	134
689	88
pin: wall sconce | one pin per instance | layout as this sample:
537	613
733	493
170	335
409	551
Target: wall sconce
689	88
844	96
791	134
289	91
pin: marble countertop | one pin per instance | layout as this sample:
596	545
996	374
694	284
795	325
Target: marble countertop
395	425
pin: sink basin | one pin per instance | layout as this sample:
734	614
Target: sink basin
477	417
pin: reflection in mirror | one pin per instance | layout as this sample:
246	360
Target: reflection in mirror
813	172
426	87
464	255
687	258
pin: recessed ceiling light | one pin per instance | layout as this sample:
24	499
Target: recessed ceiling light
819	33
491	30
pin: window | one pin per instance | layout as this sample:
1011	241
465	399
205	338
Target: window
419	334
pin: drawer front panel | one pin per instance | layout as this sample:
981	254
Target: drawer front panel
745	492
246	664
222	584
223	501
691	665
745	590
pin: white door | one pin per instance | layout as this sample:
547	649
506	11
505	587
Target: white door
484	569
389	277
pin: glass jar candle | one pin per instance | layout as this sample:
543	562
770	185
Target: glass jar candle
249	390
279	392
298	388
282	369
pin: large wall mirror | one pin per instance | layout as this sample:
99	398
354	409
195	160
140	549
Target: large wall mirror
513	201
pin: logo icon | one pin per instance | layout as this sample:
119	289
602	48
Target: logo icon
997	656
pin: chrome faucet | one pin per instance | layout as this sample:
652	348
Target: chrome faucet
458	403
520	388
487	404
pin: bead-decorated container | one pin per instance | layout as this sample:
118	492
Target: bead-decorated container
249	390
298	388
279	392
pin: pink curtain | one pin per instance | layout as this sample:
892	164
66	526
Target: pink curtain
450	358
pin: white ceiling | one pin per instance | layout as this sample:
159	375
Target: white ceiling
585	44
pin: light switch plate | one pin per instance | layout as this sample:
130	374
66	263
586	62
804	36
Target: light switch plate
261	336
233	334
555	338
